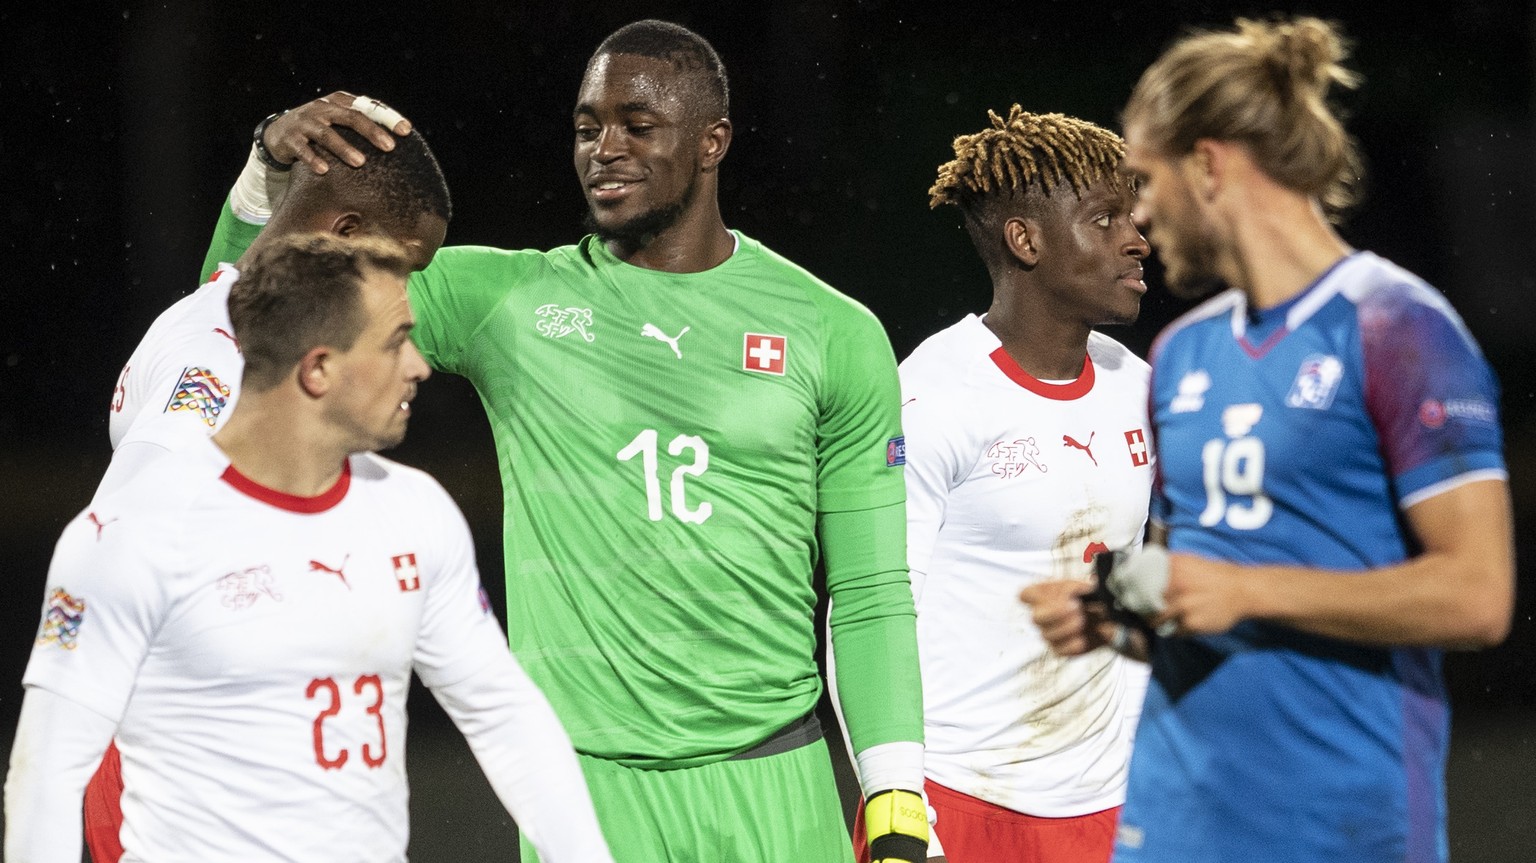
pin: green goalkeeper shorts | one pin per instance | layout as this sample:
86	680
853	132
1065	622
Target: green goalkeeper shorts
777	808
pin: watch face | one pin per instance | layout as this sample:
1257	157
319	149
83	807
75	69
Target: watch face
259	137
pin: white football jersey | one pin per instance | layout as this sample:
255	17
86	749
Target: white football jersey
256	649
1011	481
183	379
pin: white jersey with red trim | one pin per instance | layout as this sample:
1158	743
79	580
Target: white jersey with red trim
183	379
256	650
1011	481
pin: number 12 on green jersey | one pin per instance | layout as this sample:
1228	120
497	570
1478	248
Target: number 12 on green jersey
644	445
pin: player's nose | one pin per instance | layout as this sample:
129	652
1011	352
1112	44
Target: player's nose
415	366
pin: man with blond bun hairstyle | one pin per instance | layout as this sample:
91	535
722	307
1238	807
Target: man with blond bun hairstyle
1027	454
1331	478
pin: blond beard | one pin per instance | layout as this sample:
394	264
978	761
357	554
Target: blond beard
1190	271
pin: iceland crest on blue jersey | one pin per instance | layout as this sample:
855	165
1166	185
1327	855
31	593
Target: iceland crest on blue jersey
1316	382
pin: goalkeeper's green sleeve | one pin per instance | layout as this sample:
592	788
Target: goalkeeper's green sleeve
231	237
873	625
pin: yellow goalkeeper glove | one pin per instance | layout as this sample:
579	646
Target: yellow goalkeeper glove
896	824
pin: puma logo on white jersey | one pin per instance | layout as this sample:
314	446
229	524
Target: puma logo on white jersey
652	331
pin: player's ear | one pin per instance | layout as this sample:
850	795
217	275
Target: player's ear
314	372
1022	237
347	225
713	144
1206	167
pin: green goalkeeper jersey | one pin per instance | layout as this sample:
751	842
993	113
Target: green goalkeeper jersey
671	447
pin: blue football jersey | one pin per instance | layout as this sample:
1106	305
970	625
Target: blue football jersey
1298	435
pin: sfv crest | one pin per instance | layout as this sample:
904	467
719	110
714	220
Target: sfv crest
556	322
1013	458
241	589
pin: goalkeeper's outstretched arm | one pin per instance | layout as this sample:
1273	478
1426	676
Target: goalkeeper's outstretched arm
281	140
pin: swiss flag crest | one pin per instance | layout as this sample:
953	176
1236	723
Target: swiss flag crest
1136	442
406	574
763	353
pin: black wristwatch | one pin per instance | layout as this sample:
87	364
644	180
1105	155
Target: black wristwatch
262	153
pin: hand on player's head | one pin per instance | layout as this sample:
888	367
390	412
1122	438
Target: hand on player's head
299	134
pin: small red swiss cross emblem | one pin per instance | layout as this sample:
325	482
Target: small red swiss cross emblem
1137	443
406	574
763	353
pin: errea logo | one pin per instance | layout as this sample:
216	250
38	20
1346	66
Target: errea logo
1191	395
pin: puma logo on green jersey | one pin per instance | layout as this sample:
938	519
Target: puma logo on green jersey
655	332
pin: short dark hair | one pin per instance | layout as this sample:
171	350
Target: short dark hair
687	51
303	291
395	187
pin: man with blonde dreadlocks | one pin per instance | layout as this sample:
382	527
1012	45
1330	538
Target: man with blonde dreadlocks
1027	453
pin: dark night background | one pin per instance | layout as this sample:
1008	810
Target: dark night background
124	125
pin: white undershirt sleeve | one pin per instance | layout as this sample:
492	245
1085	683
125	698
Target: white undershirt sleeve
897	765
257	191
528	759
58	745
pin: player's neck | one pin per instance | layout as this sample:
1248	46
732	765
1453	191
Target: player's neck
696	242
290	218
1281	246
265	442
279	226
1046	348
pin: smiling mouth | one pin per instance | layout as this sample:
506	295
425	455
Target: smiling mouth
607	191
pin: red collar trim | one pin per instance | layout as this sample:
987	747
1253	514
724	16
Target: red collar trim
1060	392
291	502
1258	351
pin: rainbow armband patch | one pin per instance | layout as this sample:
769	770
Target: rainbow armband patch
62	616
